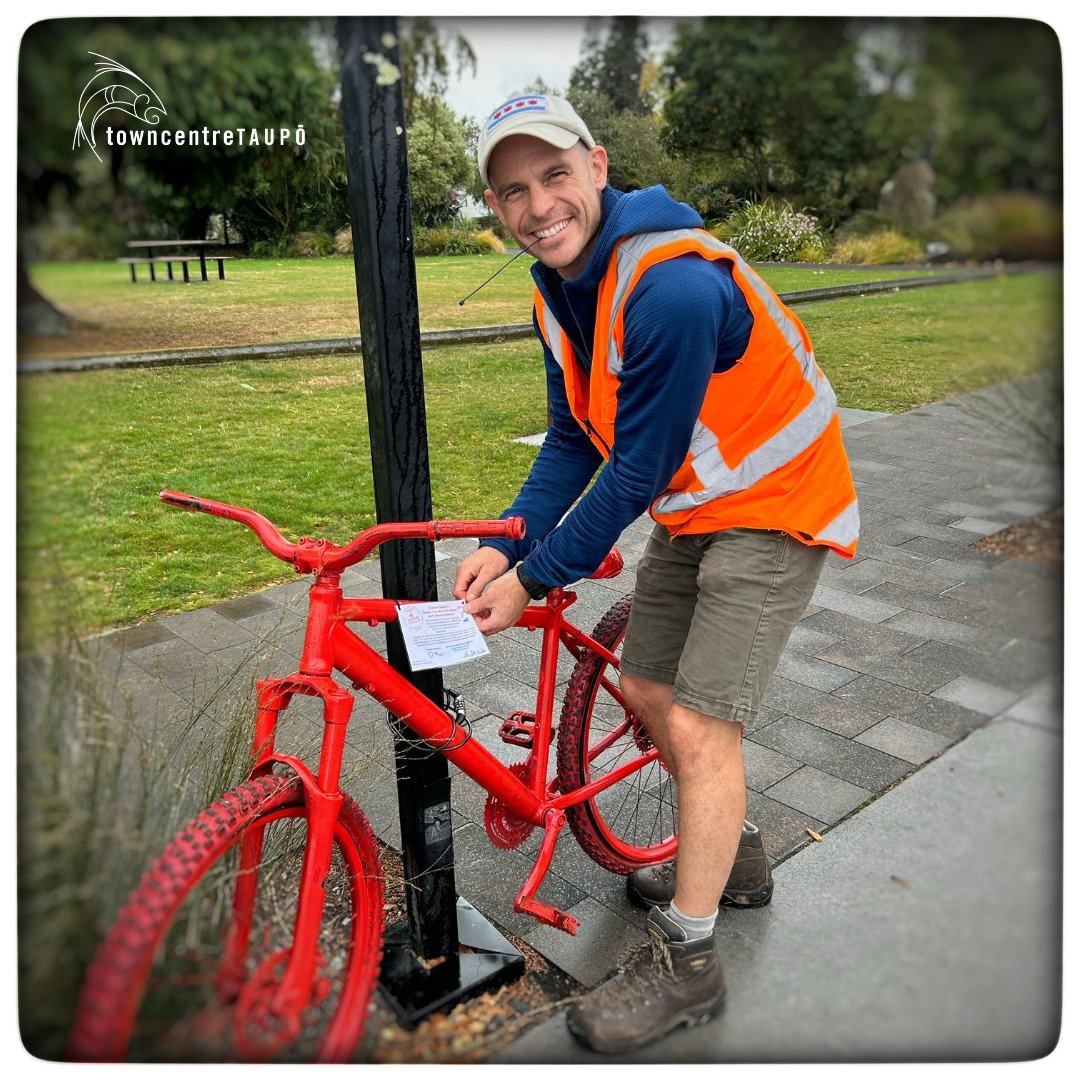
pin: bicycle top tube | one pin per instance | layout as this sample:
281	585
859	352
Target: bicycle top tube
314	556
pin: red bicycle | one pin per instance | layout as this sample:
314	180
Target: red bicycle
262	920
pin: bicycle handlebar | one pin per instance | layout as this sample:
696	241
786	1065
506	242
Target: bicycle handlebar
312	555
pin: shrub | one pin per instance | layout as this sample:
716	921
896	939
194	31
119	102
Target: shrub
764	232
1010	225
721	232
493	224
814	251
865	223
875	249
269	249
343	241
456	240
309	245
442	240
713	200
62	243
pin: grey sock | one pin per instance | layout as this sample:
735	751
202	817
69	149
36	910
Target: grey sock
693	928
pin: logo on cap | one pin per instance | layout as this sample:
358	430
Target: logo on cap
517	105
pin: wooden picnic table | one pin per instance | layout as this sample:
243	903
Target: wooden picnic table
199	246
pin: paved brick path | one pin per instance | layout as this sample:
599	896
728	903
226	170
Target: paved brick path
906	650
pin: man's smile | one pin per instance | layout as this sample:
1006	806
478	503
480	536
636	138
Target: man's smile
552	230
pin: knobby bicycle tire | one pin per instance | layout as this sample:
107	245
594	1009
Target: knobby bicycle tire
117	981
633	823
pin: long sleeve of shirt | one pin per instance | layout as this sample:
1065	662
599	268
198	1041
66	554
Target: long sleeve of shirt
561	471
675	324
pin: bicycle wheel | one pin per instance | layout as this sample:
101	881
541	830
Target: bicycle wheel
159	987
633	822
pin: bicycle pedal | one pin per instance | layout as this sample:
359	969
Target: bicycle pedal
545	913
518	728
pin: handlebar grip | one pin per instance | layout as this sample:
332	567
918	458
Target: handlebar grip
265	529
511	528
178	498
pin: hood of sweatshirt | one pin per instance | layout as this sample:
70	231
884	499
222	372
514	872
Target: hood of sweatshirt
623	213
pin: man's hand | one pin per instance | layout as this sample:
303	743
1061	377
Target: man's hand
477	571
500	605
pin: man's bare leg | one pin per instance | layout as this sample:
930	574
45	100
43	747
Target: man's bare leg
678	979
712	805
704	755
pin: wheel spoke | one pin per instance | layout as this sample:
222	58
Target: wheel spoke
627	824
190	888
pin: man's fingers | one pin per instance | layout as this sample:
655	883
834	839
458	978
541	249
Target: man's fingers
476	572
484	577
464	579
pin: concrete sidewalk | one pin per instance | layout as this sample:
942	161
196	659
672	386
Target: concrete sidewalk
924	928
914	721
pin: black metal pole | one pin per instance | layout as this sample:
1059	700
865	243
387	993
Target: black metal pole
375	152
373	117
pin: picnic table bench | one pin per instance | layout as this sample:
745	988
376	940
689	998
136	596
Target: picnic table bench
150	260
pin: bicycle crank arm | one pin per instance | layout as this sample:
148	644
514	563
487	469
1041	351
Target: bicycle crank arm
526	901
545	913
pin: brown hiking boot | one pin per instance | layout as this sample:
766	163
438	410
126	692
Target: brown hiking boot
661	985
749	884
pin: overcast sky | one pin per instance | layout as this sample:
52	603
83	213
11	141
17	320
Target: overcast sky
512	51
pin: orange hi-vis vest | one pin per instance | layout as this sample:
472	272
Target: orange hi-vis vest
766	451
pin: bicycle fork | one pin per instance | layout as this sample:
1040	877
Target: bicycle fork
272	1005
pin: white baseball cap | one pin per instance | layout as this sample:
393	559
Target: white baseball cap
543	116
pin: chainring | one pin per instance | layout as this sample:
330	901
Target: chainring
642	738
504	828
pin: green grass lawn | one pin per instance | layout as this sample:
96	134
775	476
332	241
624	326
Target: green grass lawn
289	438
271	300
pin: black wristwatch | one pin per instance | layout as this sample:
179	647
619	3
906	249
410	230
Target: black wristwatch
530	585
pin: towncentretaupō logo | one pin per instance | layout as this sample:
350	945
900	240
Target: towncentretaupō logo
114	87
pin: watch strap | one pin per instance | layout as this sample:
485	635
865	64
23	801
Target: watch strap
533	587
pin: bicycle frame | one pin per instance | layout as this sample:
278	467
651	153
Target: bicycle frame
331	645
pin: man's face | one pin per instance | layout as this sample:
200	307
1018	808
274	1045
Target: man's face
548	198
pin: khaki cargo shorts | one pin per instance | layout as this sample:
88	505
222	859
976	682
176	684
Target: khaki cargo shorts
712	613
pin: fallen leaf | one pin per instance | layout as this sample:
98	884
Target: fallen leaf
815	835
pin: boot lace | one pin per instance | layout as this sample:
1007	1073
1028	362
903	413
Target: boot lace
641	969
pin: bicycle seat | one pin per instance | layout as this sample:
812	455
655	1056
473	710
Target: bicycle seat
611	566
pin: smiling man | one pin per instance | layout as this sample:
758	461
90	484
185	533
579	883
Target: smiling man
675	370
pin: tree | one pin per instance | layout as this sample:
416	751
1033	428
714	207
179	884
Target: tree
425	63
440	165
221	74
777	106
999	98
826	137
823	111
612	66
636	158
727	80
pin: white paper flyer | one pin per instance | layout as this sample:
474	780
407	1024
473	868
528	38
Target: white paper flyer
439	634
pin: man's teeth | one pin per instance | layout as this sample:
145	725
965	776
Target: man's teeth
545	233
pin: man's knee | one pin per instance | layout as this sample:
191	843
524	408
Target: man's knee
648	700
702	742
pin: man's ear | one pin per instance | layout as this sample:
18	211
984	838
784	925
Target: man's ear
598	165
493	204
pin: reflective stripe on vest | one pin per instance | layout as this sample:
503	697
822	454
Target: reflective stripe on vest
786	445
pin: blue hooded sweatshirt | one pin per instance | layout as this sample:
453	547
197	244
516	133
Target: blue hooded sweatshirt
685	320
